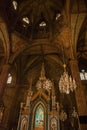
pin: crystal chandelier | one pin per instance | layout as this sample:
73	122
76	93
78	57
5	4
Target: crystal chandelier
43	82
66	82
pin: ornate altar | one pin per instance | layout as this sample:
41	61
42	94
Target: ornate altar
40	112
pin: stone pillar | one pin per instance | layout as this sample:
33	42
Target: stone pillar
3	78
79	92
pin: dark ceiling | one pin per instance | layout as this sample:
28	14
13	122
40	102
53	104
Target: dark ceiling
38	11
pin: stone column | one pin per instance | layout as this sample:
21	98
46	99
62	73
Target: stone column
79	92
3	78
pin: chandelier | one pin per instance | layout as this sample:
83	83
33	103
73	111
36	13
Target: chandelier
43	82
66	82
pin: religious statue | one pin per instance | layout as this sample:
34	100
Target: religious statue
53	127
53	124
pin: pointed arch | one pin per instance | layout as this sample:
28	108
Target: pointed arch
39	116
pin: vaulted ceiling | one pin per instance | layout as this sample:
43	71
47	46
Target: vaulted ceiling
28	42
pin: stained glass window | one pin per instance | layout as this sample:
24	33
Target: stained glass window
83	75
39	116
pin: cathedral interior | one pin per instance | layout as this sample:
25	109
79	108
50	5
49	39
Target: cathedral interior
43	64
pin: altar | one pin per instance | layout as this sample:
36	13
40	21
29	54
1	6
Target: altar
40	111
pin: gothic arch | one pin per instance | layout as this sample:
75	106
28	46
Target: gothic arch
39	119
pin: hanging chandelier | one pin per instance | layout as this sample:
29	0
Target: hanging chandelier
43	82
66	82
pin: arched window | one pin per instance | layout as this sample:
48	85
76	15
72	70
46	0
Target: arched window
9	80
83	75
15	4
39	116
